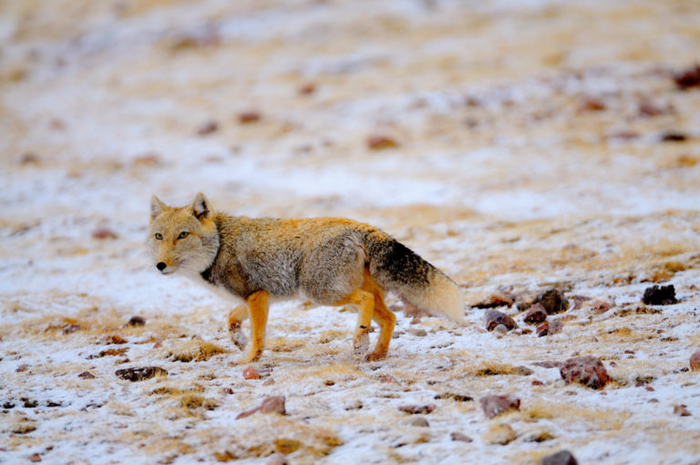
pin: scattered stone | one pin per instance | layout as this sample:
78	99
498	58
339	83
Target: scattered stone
453	396
539	436
22	368
681	410
695	361
417	409
553	301
588	371
136	321
250	373
687	78
601	306
8	405
277	459
207	128
563	457
494	405
660	295
500	434
29	158
549	328
591	104
418	332
493	318
86	375
114	339
29	403
673	136
140	373
248	117
53	404
502	299
537	382
456	436
273	404
525	300
35	458
536	314
420	422
648	109
578	301
307	89
500	330
381	142
71	328
23	428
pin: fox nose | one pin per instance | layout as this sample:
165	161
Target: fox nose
161	266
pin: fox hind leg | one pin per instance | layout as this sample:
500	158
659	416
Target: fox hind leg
365	307
236	317
386	321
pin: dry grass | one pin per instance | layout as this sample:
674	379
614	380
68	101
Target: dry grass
602	419
196	350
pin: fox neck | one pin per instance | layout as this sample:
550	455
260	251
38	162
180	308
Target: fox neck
212	249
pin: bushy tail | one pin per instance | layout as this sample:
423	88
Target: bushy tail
397	268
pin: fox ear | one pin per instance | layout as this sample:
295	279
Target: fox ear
201	208
157	207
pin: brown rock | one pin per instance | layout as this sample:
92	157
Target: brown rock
140	373
695	361
536	314
417	409
29	158
381	142
591	104
543	329
250	373
136	321
660	295
207	128
104	233
563	457
578	301
456	436
502	299
601	306
248	117
307	89
687	78
673	136
681	410
273	404
493	405
588	371
420	422
86	375
35	458
553	301
525	300
493	318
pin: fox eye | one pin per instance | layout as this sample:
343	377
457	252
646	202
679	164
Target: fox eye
183	235
159	236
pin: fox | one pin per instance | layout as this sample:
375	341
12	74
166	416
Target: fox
329	261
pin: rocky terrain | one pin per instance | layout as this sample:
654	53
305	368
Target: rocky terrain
544	154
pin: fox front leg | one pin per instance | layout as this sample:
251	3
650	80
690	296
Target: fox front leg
236	317
258	306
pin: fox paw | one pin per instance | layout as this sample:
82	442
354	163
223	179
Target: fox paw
238	337
374	356
252	356
361	343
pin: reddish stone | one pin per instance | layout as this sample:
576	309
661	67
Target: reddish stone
104	233
687	78
563	457
381	142
207	128
536	314
247	117
250	373
273	404
495	405
588	371
417	409
695	361
493	318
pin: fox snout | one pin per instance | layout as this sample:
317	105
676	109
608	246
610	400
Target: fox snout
161	266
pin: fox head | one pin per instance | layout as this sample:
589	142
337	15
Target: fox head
183	239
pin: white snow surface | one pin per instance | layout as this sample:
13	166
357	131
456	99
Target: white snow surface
502	177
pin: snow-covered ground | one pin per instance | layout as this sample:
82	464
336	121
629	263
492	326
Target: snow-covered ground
530	155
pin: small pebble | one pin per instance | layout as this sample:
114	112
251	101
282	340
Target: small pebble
420	422
563	457
456	436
